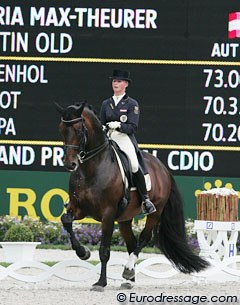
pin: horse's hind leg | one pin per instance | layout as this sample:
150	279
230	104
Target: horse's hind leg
146	234
81	251
131	243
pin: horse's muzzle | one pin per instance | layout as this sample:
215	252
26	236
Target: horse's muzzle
71	165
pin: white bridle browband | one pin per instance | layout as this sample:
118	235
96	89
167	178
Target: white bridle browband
71	121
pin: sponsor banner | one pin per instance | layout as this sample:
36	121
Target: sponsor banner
43	194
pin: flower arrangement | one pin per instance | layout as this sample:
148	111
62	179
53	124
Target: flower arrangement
53	233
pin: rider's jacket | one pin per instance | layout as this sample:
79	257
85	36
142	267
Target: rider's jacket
126	112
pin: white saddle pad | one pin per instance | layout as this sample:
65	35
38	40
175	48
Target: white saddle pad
125	181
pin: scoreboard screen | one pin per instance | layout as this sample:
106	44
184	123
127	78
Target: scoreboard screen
183	56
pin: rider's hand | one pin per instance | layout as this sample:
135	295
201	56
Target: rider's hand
114	125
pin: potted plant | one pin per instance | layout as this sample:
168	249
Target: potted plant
18	243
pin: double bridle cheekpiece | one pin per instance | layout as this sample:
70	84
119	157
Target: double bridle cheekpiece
82	154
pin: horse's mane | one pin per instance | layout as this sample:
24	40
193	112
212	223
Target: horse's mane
90	107
93	113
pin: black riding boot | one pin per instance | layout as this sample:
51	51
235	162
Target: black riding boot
147	206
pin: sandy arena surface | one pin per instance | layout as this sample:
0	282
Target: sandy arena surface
146	290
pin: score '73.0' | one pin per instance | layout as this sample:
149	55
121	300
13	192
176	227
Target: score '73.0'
219	80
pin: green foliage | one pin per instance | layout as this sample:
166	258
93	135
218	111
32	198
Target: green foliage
117	238
18	232
37	227
44	232
5	223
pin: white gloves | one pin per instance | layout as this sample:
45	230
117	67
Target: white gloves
114	125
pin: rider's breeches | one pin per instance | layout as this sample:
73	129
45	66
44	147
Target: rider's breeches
127	146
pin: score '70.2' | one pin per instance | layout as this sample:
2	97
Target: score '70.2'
218	132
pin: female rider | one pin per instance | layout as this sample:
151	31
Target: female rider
120	113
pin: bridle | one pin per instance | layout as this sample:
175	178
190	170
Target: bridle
82	154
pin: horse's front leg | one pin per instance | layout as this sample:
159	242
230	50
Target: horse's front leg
104	252
81	251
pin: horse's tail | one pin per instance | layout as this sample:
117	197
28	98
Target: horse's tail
171	236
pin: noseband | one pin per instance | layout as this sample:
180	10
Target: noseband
82	154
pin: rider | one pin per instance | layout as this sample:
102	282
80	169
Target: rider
120	113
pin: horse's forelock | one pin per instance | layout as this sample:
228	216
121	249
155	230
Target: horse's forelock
72	112
68	115
75	107
78	110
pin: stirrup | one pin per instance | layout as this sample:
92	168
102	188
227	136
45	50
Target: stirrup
148	207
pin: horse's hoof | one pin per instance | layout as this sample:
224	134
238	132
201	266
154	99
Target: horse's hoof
128	274
87	254
97	288
126	285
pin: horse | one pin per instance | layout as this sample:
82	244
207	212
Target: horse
96	189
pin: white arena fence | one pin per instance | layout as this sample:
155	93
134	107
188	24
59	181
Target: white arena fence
76	270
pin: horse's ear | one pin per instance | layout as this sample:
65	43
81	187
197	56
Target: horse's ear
59	108
80	110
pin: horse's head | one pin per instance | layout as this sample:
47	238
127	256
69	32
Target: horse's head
80	130
74	133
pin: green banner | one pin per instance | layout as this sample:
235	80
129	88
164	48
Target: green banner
43	194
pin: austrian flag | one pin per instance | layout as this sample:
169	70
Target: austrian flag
234	25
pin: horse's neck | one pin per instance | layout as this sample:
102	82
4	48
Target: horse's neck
96	136
95	141
93	168
96	149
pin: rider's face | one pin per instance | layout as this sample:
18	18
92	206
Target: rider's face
119	86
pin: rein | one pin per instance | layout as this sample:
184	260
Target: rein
84	156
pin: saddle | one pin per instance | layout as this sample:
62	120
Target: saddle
123	162
125	167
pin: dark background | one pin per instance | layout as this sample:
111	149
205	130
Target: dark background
170	95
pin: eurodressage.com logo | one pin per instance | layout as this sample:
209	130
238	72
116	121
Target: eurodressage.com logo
234	25
162	298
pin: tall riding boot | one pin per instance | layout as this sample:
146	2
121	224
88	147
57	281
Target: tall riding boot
147	206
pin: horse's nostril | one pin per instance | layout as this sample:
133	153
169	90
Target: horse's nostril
73	165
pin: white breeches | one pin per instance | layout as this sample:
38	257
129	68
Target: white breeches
127	146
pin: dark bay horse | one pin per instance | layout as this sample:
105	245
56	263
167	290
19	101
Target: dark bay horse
96	188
